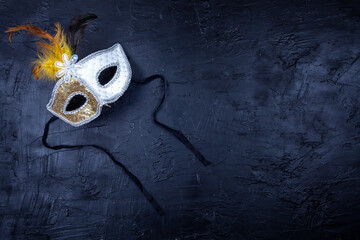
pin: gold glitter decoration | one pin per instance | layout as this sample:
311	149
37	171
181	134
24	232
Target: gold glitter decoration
62	94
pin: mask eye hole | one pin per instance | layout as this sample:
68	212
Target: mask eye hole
76	102
107	75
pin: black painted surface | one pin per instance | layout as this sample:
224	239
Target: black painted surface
267	90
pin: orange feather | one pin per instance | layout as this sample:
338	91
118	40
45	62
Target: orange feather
31	30
36	71
47	52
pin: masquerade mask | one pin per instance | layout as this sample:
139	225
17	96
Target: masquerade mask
98	79
84	87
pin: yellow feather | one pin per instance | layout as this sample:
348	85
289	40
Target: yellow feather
49	53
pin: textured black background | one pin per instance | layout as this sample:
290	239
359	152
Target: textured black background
269	91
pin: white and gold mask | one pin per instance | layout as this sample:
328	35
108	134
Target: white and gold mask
98	79
82	87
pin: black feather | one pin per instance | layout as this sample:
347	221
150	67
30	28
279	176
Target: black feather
76	29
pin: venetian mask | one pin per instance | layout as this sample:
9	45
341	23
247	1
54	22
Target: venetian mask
83	87
87	85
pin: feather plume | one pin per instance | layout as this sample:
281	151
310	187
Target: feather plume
76	28
31	30
47	52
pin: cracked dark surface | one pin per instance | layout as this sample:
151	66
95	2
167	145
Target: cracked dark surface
269	91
